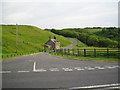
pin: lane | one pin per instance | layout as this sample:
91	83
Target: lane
66	69
71	46
48	61
46	71
59	79
56	72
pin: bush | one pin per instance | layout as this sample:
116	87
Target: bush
90	39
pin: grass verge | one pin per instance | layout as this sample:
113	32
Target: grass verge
86	58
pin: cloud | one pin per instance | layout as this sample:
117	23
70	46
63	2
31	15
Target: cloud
58	1
57	14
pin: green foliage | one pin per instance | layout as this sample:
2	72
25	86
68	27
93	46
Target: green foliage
90	36
80	44
112	33
30	39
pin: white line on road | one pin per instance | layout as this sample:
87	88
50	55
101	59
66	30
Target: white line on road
91	68
110	67
67	69
40	70
79	68
99	67
54	69
23	71
95	86
5	71
34	65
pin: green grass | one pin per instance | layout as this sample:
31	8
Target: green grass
93	30
93	48
80	44
30	39
86	58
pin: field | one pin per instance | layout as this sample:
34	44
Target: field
92	44
30	39
87	58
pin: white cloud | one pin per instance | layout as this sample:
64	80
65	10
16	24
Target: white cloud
58	1
57	14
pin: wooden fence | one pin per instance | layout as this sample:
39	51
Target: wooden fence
90	52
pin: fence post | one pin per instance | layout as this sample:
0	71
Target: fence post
7	55
65	51
73	52
78	52
62	52
68	51
107	52
58	51
39	50
84	52
94	52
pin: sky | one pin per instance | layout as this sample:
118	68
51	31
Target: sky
60	13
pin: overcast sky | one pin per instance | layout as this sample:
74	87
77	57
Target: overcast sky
60	13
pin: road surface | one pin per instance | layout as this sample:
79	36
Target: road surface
42	70
75	43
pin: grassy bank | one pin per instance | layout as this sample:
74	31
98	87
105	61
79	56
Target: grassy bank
30	39
86	58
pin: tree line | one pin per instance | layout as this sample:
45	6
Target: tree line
107	37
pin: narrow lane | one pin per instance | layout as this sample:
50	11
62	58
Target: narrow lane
46	71
75	43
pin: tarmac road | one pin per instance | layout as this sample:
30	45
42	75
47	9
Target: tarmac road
46	71
75	43
42	70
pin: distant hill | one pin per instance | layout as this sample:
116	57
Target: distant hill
112	33
98	37
30	38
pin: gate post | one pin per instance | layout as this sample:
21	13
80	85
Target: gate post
84	52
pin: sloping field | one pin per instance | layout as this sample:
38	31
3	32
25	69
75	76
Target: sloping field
30	39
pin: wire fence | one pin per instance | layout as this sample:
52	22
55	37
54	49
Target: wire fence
89	52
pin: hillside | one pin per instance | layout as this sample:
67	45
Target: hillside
112	33
30	39
92	36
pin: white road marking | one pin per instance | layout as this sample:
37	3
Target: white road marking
67	69
91	68
5	71
116	66
40	70
115	88
98	67
54	69
23	71
95	86
79	68
34	65
110	67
